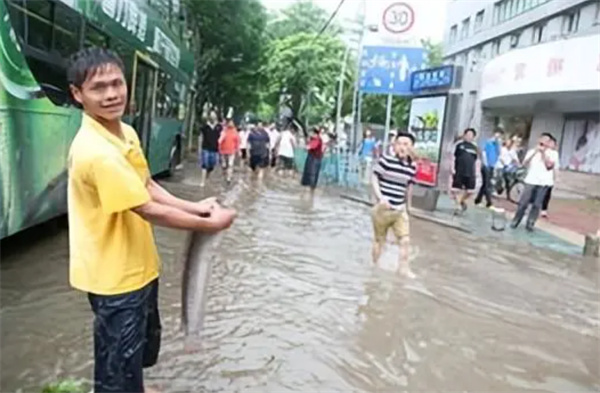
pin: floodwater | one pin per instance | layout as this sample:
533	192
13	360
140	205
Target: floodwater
294	304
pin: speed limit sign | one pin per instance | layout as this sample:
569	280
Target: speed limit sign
398	18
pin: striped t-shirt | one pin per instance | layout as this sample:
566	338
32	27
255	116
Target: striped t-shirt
394	176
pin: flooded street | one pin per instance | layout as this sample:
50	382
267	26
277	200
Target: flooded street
294	304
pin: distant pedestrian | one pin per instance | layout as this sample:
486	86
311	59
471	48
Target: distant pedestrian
540	163
489	159
312	166
464	169
244	132
273	139
229	145
259	144
285	151
546	203
209	156
392	182
507	164
366	154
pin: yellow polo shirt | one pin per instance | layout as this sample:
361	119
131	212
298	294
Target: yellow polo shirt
112	248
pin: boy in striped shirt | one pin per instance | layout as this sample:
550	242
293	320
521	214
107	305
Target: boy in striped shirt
392	183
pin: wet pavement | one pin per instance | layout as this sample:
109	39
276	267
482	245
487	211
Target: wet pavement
294	304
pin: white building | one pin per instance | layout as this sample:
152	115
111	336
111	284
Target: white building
530	66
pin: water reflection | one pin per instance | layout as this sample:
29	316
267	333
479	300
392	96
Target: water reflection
296	305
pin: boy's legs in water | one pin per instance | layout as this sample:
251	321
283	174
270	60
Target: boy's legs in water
384	219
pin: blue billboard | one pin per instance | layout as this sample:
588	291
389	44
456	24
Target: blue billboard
432	78
387	69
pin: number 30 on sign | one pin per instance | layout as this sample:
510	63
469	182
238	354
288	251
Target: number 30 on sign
398	18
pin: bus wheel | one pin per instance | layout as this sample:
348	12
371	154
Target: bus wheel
515	192
172	160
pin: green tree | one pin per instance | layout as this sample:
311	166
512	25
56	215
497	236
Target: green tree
435	53
304	68
303	16
228	42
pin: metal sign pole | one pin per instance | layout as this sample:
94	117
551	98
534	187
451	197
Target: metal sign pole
388	117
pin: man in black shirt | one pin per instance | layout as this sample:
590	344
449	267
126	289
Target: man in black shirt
209	156
464	170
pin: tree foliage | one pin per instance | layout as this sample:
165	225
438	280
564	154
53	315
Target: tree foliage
435	53
300	17
228	43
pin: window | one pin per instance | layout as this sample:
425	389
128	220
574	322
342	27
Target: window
538	34
39	24
496	47
570	22
496	16
67	30
453	33
597	17
514	40
478	21
94	37
464	29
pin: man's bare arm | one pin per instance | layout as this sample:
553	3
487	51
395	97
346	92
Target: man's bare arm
171	217
164	197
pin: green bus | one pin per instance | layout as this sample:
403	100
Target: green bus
38	118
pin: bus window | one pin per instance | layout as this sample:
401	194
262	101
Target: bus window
94	37
67	28
17	16
39	24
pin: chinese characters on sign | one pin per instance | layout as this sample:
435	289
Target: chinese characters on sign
386	70
166	48
127	14
433	78
555	66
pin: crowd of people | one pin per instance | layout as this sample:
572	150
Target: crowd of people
260	146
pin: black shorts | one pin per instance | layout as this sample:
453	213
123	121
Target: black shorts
259	162
286	162
463	182
273	158
126	338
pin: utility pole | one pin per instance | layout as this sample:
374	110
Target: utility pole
338	112
356	98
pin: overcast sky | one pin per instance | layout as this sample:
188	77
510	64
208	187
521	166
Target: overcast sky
431	13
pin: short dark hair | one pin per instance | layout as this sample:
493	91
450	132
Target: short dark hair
550	136
470	130
88	61
403	134
499	130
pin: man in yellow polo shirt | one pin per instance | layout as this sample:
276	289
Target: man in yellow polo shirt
112	203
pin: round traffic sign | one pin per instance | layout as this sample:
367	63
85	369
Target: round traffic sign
398	18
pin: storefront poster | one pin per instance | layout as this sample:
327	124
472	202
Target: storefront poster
425	123
580	150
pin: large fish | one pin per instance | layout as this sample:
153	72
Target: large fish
200	249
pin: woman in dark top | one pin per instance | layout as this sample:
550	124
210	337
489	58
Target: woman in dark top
312	166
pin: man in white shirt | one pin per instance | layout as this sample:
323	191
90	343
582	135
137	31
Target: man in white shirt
540	162
285	151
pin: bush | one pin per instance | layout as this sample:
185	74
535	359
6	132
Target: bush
66	386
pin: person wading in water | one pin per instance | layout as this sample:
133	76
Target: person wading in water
392	182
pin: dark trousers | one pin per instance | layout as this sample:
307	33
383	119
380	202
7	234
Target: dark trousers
487	174
534	195
547	199
126	338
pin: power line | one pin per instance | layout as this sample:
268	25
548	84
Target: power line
330	19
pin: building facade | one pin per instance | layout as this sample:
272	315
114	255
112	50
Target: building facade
530	66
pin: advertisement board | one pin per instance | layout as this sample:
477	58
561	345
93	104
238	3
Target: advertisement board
426	124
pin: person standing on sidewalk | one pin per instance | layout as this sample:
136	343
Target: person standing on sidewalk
489	159
259	143
554	180
464	169
229	145
392	181
540	163
209	156
112	203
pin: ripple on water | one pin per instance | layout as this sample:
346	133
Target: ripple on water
295	305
